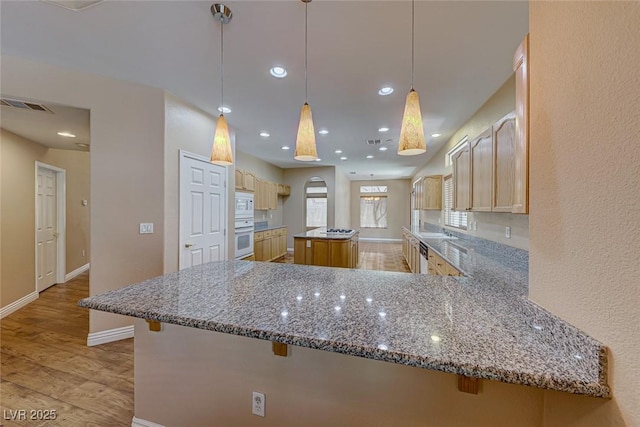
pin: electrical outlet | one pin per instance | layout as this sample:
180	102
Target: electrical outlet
258	404
146	228
507	232
308	243
83	254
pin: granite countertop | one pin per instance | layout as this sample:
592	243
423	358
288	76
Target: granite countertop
479	326
321	233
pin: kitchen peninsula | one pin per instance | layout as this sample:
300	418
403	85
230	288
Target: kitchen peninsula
217	319
326	247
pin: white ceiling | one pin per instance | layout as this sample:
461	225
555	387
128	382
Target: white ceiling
464	52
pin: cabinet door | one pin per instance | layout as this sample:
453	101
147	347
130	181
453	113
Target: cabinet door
339	252
481	151
239	179
266	243
521	164
503	163
280	189
249	181
283	244
432	192
287	190
320	252
258	249
418	189
300	251
461	179
273	196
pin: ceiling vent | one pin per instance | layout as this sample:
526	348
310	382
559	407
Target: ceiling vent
75	5
373	141
24	105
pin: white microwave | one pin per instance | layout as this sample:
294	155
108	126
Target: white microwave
244	205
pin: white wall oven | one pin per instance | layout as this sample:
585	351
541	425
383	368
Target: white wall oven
244	226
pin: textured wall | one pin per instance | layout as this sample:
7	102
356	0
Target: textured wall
585	190
343	201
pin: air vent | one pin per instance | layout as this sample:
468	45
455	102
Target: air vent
352	173
373	141
24	105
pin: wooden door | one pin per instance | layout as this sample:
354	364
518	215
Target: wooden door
203	212
239	179
461	179
503	163
521	164
481	152
46	229
320	252
249	181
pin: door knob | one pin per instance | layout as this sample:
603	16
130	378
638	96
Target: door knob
187	245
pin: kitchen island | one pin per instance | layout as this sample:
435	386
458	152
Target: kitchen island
326	247
217	320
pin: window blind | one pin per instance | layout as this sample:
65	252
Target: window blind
452	218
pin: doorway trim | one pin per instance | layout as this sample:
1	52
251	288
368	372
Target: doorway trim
61	221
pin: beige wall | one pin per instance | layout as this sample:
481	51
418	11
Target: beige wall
18	174
191	129
585	190
398	208
343	201
294	205
212	387
489	225
127	166
268	172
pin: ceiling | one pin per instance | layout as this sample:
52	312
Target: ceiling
463	54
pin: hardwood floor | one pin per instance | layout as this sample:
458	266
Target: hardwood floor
374	256
46	364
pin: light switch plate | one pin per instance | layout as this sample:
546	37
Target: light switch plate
146	228
507	232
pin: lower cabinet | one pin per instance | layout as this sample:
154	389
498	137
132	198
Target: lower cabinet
326	252
270	244
440	267
411	252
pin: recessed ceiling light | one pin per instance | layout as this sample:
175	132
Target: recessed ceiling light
369	156
278	72
383	148
387	90
265	134
338	151
435	135
224	110
286	147
82	145
383	130
343	158
323	132
66	134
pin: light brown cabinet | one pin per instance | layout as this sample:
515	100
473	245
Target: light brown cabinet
481	176
326	252
461	179
270	244
411	251
437	266
284	190
503	164
428	193
521	163
267	193
245	180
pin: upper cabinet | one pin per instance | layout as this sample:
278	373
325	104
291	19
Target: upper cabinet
481	158
521	155
245	180
462	179
267	194
504	162
427	192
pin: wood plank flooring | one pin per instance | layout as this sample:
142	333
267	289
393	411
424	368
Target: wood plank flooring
47	365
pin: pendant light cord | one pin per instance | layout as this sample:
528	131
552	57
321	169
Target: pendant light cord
221	66
306	31
413	21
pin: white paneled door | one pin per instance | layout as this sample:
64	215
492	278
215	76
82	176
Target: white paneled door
46	232
203	211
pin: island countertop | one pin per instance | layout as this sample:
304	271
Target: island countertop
322	233
455	325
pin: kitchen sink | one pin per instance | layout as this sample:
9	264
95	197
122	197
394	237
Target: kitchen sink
436	236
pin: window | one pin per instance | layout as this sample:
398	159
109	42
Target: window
452	218
373	211
317	206
373	188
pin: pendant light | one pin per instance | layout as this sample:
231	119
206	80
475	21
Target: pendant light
412	133
306	140
221	152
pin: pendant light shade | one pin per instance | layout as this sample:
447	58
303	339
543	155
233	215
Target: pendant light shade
306	141
221	153
412	133
412	140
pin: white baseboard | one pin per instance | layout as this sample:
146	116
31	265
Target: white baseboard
110	335
290	250
379	240
139	422
75	273
17	305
